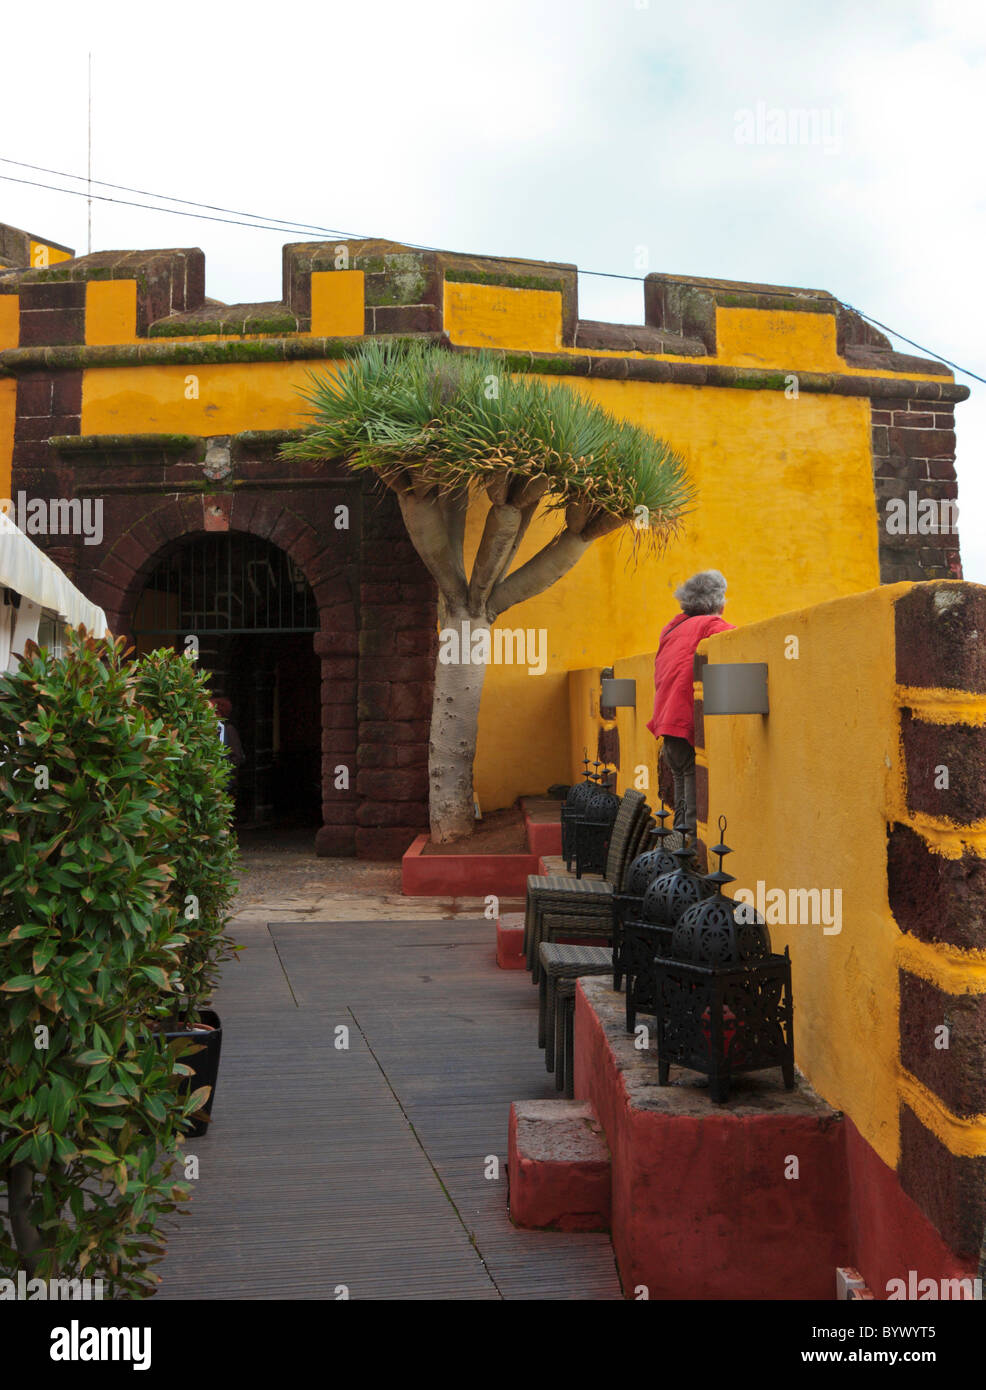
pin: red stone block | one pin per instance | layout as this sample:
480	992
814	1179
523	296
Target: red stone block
510	941
914	420
385	731
376	843
379	593
337	668
417	641
288	531
35	395
66	396
402	813
411	701
339	741
336	642
923	443
411	755
335	841
338	717
131	551
398	668
265	518
391	784
338	692
559	1167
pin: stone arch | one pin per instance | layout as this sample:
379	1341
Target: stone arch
172	521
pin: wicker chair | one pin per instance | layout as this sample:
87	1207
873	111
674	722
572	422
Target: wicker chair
565	1030
583	902
600	922
566	962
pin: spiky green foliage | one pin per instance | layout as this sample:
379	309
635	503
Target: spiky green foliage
448	419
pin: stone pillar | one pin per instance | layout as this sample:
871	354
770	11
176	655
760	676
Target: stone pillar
398	645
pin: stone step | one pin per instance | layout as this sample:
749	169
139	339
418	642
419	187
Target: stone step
510	941
559	1166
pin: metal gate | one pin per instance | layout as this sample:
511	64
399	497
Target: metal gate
226	583
241	597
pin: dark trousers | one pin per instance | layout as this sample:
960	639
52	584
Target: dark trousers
679	755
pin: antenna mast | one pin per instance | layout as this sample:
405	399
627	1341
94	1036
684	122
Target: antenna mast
89	171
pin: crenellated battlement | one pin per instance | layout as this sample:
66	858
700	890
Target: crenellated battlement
351	289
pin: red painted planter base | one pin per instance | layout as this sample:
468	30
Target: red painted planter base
510	941
559	1167
464	875
891	1236
476	875
761	1198
705	1204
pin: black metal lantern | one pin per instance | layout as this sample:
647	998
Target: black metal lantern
573	808
649	935
592	828
722	998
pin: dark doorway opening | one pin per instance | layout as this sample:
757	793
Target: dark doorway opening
252	616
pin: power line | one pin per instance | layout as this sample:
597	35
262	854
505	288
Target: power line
288	225
127	202
166	197
877	324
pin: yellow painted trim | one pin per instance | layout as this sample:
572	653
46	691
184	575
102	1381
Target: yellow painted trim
940	706
966	1138
111	312
41	255
950	968
10	321
8	412
498	316
946	838
843	368
338	303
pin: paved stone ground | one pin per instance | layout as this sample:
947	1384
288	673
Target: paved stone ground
283	881
368	1167
377	1170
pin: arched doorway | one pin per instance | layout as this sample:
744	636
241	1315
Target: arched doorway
252	614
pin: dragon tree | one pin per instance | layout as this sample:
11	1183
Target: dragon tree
450	430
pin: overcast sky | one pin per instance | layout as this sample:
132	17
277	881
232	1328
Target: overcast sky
571	130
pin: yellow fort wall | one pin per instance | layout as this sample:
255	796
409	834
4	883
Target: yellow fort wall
785	491
808	792
8	402
785	497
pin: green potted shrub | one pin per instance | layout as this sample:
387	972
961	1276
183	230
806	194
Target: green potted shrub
91	1112
204	856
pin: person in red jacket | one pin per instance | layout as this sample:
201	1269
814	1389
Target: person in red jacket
702	599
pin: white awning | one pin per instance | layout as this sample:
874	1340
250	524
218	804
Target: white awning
29	572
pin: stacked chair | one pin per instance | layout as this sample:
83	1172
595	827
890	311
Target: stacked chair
583	907
558	905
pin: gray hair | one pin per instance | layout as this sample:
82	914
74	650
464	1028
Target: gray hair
705	592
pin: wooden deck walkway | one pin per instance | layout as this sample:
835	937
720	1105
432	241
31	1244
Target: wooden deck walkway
365	1168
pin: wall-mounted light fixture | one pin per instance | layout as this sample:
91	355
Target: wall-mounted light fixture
734	687
616	693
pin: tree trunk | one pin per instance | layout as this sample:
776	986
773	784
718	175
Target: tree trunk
454	729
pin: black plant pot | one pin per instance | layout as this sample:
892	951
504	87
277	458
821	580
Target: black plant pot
205	1067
